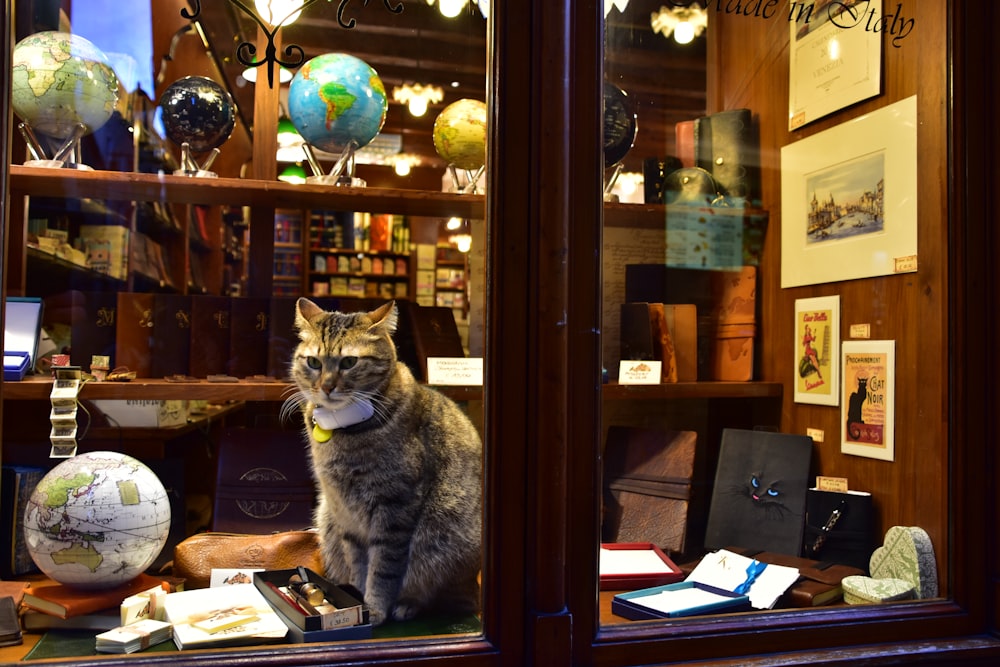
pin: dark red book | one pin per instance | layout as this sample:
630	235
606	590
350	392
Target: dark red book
210	333
249	331
171	335
134	333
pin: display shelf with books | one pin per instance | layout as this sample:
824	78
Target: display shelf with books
288	252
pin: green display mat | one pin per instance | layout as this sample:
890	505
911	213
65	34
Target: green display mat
76	643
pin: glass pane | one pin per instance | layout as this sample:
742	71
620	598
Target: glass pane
766	401
177	193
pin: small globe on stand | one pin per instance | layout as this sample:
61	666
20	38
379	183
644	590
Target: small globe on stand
97	520
63	87
199	116
337	102
460	138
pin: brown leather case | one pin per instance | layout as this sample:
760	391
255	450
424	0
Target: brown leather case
647	487
195	557
264	483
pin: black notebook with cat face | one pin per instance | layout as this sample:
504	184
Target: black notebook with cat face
759	497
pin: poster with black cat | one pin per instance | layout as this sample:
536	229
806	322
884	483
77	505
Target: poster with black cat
759	497
868	405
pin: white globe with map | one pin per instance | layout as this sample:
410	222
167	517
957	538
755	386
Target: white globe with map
97	520
59	80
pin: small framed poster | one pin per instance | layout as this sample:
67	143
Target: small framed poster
869	395
834	60
817	350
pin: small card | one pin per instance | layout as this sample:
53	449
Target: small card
224	620
455	371
639	372
831	483
228	576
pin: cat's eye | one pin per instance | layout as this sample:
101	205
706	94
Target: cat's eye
772	492
314	363
347	363
754	482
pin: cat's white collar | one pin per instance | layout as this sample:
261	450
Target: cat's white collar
325	421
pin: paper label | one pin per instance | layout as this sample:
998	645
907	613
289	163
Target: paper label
831	483
455	371
639	372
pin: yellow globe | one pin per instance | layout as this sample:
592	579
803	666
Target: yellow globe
460	134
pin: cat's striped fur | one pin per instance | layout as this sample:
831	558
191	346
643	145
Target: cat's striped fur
400	494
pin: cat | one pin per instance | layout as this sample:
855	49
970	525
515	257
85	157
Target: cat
854	408
398	468
765	496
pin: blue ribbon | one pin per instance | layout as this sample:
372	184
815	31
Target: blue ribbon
753	571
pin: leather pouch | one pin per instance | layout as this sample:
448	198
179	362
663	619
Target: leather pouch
726	145
196	556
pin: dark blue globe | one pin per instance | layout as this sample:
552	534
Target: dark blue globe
198	111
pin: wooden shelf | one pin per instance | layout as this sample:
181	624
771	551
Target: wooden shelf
702	390
130	186
39	388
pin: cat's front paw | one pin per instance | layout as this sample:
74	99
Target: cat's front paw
376	616
405	610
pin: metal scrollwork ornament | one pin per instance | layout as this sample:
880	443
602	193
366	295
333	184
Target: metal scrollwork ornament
294	55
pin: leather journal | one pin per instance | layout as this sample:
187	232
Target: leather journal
647	489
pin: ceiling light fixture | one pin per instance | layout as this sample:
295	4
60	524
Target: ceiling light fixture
417	97
279	12
250	74
620	4
685	23
403	163
452	8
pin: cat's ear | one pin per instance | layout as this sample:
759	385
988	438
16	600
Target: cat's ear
384	319
305	311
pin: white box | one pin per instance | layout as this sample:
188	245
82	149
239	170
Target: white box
144	414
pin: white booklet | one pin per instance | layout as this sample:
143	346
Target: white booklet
236	615
764	583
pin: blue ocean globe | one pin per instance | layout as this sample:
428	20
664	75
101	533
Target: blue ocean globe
199	112
336	99
59	81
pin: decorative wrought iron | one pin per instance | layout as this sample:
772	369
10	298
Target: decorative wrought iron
246	52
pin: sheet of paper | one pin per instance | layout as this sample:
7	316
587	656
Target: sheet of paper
632	561
673	601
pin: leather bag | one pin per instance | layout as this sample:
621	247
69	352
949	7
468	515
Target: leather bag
196	556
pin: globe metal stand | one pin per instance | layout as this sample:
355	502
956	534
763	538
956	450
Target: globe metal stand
66	156
190	168
342	173
472	179
610	185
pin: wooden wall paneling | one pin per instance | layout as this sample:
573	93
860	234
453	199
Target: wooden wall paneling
909	308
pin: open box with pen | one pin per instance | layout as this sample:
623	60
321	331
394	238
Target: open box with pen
340	614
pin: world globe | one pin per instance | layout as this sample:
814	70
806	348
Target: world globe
460	134
60	80
97	520
619	124
336	99
199	112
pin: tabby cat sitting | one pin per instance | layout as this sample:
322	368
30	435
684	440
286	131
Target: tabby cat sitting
398	468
